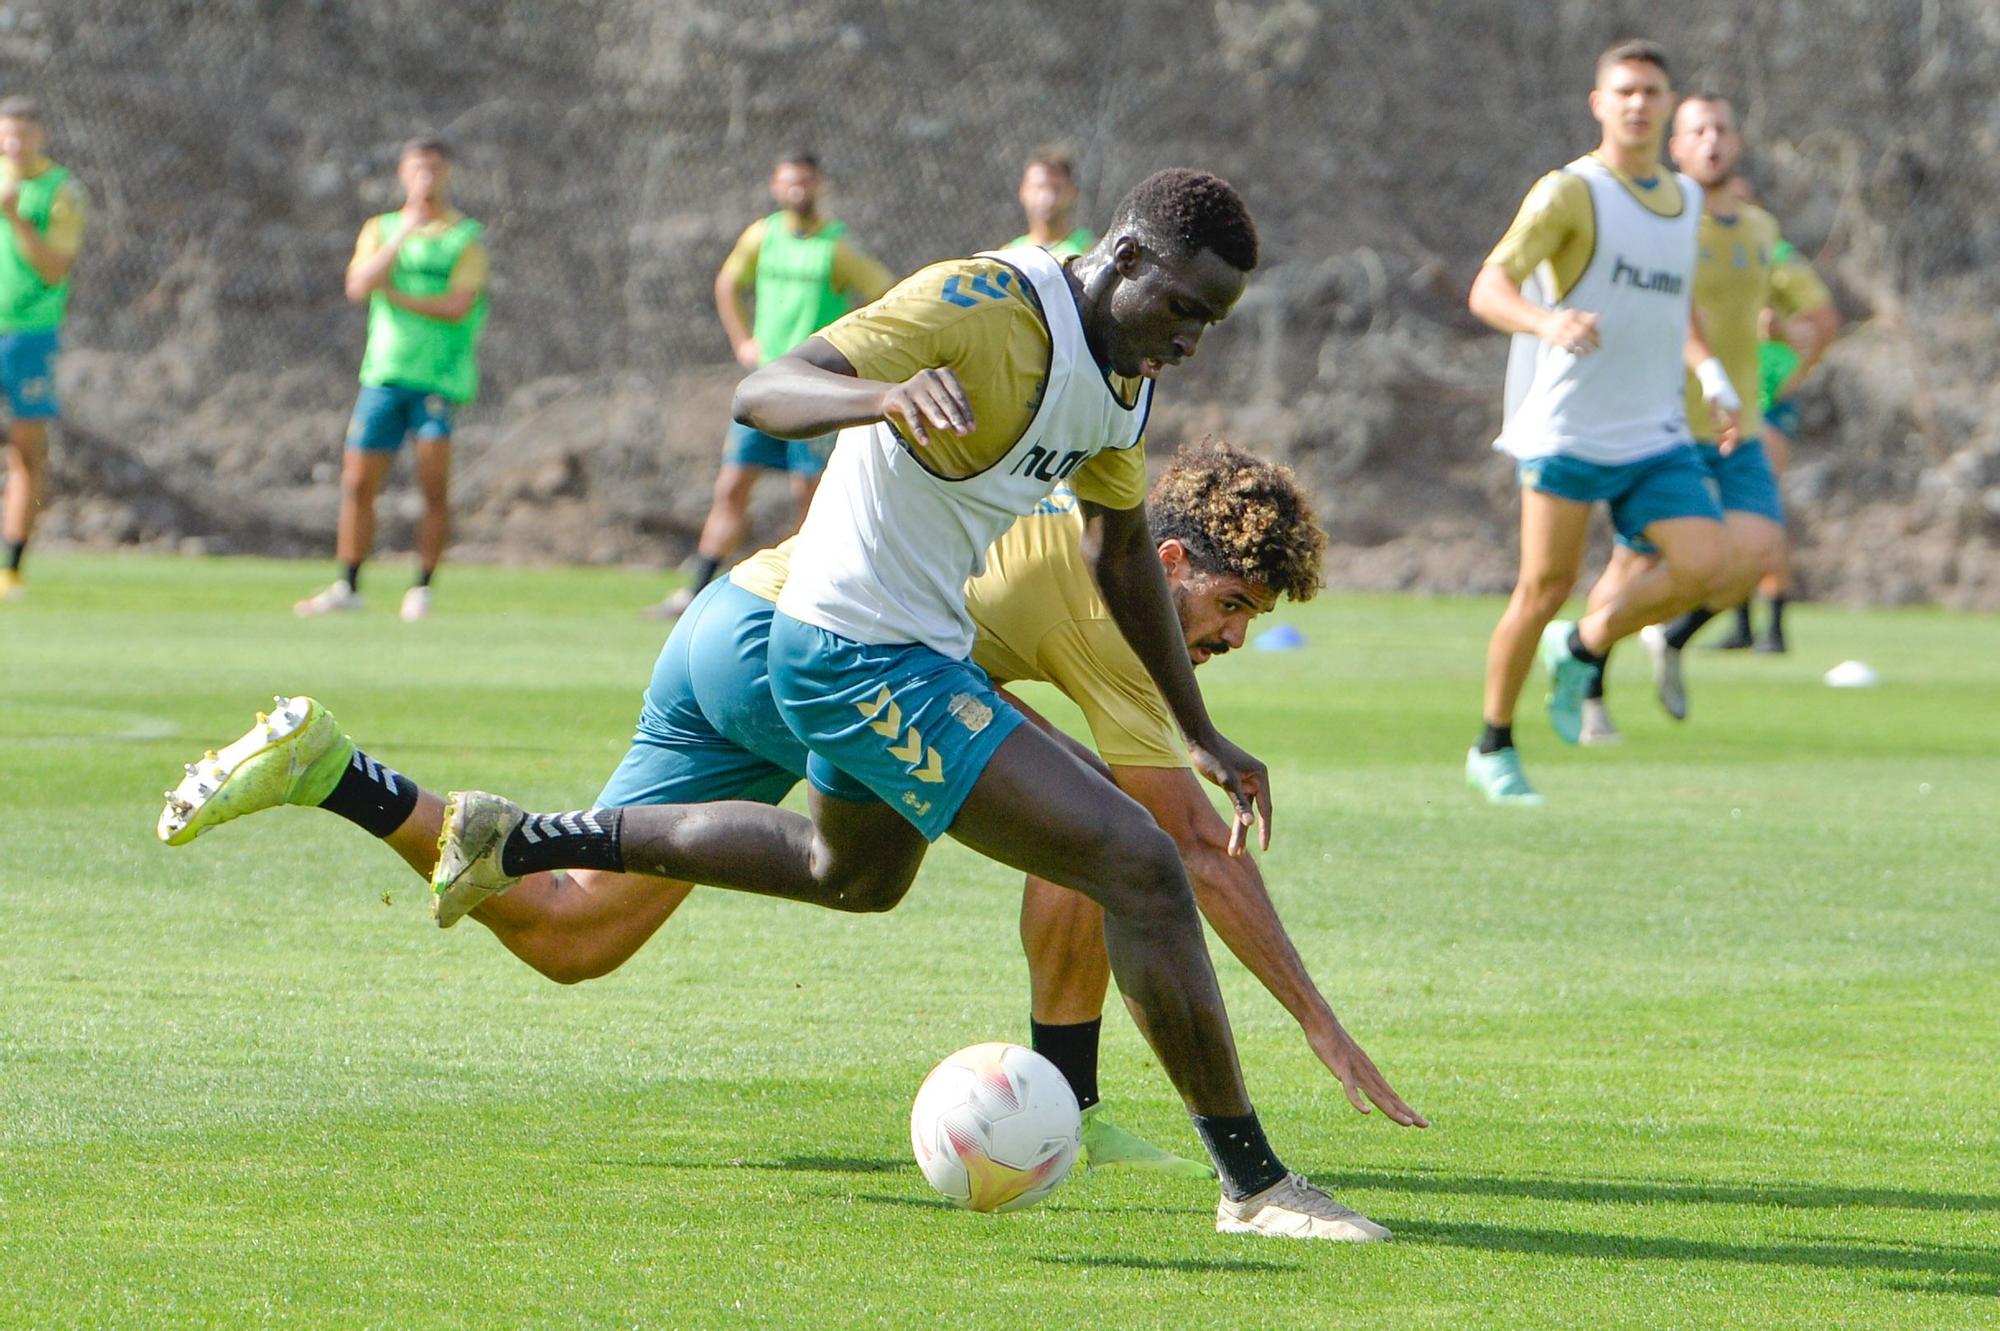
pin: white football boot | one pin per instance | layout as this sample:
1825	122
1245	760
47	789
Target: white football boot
1292	1208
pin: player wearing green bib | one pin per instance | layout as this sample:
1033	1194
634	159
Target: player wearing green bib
1048	198
422	272
801	273
41	229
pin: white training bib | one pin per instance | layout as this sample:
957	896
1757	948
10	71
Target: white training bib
1622	402
887	545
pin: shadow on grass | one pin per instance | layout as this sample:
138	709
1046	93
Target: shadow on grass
1192	1265
1653	1191
926	1203
1968	1270
804	1164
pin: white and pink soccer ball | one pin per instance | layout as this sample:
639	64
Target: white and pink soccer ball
995	1127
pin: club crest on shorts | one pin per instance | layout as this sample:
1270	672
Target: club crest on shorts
969	712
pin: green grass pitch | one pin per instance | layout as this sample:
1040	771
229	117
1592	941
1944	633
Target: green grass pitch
1709	1042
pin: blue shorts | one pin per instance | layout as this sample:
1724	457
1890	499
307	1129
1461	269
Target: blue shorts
28	374
1745	480
900	723
1666	485
1784	417
746	447
709	728
387	414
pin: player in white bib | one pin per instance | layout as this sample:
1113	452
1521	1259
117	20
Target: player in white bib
1594	279
964	396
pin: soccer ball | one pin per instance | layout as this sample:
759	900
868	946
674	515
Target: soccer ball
995	1127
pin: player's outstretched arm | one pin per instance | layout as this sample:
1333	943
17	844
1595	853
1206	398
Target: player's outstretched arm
813	390
1119	549
1230	891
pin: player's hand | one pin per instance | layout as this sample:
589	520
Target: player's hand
1359	1076
1575	331
1248	784
748	354
1728	428
929	400
10	200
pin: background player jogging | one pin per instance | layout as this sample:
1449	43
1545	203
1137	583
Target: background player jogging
1594	279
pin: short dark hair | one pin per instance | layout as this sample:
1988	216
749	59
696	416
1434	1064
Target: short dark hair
20	107
1053	158
1240	515
805	157
1186	211
1638	50
427	143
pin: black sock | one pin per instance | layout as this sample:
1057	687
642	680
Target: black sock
1596	689
351	575
1073	1049
1743	628
1683	629
1495	738
424	576
1242	1157
1778	616
372	796
15	549
1581	652
586	839
704	572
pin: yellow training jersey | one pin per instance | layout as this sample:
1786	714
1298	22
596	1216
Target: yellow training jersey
991	331
1737	275
1040	617
1557	225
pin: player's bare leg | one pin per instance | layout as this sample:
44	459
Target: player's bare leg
1069	977
27	471
434	528
362	473
1554	533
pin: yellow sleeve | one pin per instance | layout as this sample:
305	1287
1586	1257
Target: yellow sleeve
912	327
469	273
66	217
1555	225
369	241
1130	726
1115	478
1796	288
860	277
741	265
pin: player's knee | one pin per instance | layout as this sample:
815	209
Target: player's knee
865	888
1141	875
1542	594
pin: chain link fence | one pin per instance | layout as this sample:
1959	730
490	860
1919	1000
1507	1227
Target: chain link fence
232	149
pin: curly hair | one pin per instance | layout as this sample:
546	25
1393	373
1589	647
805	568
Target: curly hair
1186	211
1240	515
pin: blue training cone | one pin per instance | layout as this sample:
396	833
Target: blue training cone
1280	638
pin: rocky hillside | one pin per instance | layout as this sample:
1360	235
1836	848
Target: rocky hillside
233	147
